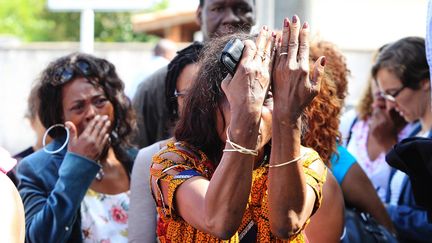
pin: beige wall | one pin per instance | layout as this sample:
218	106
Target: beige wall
21	64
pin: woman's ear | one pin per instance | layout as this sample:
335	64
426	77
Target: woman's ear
426	85
198	14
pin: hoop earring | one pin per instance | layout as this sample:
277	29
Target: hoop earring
46	134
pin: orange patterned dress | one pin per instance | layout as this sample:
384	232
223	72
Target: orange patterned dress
172	228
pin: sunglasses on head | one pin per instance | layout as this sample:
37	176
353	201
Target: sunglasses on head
67	73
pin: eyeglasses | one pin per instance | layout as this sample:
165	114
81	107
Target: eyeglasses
392	97
179	93
66	74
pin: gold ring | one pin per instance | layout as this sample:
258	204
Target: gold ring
283	53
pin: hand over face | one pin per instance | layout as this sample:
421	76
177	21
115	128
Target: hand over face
293	86
92	142
247	89
381	126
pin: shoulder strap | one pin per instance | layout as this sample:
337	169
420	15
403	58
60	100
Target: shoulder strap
350	131
416	129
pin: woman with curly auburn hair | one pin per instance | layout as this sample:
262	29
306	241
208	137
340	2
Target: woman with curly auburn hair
322	134
76	189
321	121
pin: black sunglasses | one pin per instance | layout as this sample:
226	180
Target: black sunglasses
66	74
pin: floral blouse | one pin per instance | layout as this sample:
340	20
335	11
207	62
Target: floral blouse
255	223
104	217
377	170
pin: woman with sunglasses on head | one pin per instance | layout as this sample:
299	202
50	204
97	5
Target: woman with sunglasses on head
402	75
76	189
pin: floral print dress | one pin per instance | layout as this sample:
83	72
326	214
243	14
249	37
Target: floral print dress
104	217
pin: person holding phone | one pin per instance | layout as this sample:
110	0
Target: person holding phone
76	189
236	170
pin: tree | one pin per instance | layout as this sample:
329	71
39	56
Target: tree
30	20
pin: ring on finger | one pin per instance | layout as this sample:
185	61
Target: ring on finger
283	53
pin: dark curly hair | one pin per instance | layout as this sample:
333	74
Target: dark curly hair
99	72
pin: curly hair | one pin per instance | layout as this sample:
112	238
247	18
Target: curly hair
101	73
364	107
33	103
336	66
321	117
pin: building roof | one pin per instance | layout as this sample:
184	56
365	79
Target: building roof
172	24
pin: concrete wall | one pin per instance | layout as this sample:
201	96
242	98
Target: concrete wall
20	65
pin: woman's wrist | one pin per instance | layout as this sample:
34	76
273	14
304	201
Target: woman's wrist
243	128
285	121
284	113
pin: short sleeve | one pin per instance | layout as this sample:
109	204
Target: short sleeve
341	163
314	179
175	173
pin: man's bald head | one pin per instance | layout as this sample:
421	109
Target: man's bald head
165	48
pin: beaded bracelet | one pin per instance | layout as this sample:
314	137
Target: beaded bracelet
238	148
288	162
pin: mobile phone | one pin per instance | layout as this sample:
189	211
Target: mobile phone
231	55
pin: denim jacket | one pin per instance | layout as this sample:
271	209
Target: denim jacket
52	187
410	220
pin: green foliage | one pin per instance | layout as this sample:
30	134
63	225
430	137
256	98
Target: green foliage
30	20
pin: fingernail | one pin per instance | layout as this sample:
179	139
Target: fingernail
294	19
105	117
323	61
97	117
286	22
305	25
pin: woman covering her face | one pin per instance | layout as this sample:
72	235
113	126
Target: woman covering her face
237	170
79	192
